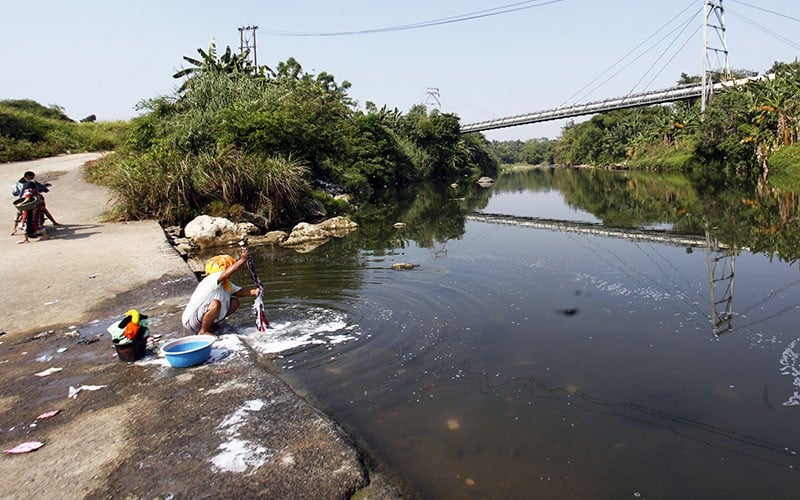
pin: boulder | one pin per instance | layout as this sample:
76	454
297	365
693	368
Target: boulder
259	220
271	238
485	182
209	232
304	233
403	266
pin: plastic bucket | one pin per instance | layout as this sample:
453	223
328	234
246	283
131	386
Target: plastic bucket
131	351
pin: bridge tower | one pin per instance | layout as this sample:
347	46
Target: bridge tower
721	267
715	49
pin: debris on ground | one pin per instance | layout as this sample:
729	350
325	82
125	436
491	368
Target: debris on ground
49	371
24	447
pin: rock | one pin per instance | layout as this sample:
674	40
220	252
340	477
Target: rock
485	182
258	220
304	233
209	232
339	225
403	266
271	238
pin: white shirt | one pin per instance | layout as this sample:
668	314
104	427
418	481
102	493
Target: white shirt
206	291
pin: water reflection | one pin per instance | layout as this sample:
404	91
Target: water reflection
520	359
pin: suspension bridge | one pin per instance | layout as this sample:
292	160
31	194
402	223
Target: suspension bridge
678	93
715	64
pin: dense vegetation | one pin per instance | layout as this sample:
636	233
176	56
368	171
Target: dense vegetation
738	135
29	130
235	138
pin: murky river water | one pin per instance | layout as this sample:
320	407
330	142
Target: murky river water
578	349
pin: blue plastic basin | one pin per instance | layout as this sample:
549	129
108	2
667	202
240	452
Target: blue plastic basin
188	351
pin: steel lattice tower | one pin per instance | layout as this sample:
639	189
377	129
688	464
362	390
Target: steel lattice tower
715	49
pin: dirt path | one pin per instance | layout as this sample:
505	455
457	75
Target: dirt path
62	281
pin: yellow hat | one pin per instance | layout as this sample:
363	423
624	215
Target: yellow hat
219	263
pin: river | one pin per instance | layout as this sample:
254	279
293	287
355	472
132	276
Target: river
618	335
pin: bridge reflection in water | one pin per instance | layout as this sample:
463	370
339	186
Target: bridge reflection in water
720	258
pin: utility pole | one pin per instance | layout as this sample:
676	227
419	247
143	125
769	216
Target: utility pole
246	43
433	97
715	49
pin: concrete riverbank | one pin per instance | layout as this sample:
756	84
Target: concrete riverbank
229	428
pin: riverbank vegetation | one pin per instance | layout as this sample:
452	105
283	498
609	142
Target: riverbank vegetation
741	134
277	143
30	130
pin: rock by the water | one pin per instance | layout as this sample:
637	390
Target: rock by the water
271	238
304	233
208	232
403	266
485	181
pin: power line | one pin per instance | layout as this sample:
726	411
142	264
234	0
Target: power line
505	9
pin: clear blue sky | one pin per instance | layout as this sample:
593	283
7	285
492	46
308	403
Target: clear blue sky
103	56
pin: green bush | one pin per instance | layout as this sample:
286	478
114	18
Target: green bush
784	168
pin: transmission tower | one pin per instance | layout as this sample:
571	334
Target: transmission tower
721	267
433	97
715	49
246	43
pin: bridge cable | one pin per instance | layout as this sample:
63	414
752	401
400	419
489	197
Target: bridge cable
689	39
767	10
768	31
495	11
620	60
641	55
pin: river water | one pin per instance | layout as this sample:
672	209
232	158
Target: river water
564	334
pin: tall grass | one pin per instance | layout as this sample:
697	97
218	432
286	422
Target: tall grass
174	189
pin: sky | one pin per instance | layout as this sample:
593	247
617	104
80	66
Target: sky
102	57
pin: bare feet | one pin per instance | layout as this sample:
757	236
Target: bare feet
26	240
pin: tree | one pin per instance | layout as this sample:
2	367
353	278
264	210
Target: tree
209	62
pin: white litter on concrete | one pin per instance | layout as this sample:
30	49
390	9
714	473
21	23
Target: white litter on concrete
237	454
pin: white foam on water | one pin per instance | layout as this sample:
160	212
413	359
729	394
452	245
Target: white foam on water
317	327
790	365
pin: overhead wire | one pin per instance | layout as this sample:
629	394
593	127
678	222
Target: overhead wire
495	11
